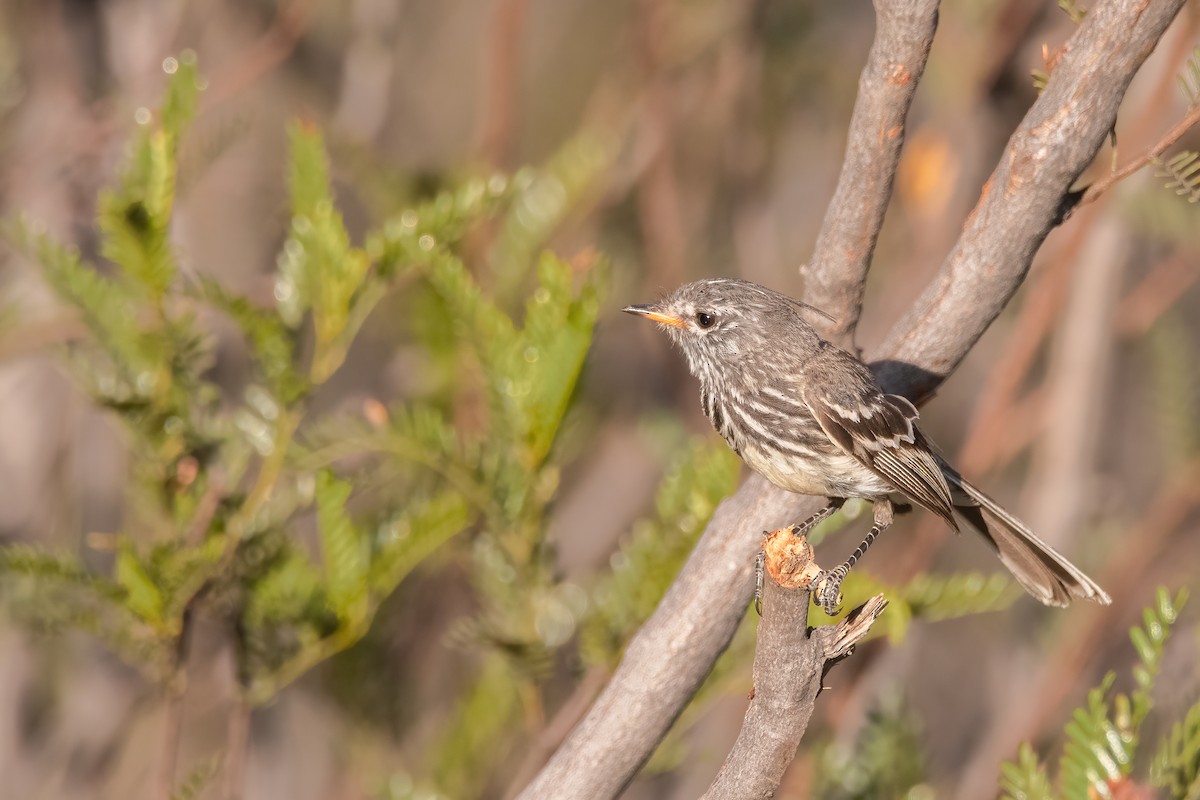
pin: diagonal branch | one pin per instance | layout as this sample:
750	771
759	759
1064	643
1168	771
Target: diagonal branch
837	273
673	652
1028	193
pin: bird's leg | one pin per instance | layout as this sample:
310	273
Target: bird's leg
827	585
797	530
804	527
760	566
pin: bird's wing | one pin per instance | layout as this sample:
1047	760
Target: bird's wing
877	429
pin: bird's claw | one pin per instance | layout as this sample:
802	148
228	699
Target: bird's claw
827	591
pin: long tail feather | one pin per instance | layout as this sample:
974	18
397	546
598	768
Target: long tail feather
1044	572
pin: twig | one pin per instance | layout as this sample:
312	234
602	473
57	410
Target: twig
176	689
169	744
836	276
667	660
552	735
790	661
660	208
291	20
1172	136
502	79
237	743
1160	290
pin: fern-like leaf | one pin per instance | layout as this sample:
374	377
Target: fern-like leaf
344	548
196	780
1184	171
1176	766
695	482
144	597
1149	640
1025	779
407	540
1076	12
934	597
1189	79
557	335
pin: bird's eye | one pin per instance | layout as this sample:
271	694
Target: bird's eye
705	320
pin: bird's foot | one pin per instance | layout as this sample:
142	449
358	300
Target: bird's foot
760	563
827	590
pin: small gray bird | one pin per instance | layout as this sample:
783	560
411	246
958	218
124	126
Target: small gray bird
810	418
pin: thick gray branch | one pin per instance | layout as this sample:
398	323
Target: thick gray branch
676	648
1027	194
837	273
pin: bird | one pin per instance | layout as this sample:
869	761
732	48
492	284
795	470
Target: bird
809	417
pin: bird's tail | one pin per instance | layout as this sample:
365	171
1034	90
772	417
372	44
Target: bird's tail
1043	572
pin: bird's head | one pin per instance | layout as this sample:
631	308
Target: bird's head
724	324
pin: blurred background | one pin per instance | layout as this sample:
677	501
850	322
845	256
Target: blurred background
682	139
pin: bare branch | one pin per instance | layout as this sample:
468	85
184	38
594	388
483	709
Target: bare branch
1024	198
1021	203
789	663
837	273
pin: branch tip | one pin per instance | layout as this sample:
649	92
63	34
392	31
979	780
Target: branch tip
789	558
851	630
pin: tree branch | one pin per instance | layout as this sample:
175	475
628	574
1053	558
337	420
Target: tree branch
837	273
1025	196
789	662
673	652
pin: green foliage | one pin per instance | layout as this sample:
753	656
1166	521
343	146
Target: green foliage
223	487
1026	778
1183	169
702	474
196	781
479	733
293	526
1176	392
1103	736
885	760
1073	10
1189	79
927	597
1176	766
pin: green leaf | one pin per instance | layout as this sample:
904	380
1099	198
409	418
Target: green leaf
196	780
1189	79
703	473
1026	779
479	733
271	342
319	271
557	335
143	597
409	539
346	555
939	597
1176	765
183	93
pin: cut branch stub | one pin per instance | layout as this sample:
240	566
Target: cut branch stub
789	558
790	661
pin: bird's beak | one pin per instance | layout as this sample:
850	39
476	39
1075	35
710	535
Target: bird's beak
656	314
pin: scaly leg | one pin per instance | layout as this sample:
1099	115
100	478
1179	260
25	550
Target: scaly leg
827	586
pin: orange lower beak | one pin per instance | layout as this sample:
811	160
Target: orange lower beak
656	314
